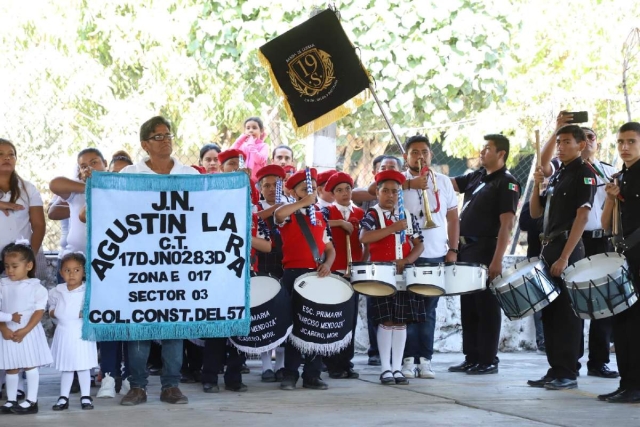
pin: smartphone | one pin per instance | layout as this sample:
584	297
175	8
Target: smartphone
578	116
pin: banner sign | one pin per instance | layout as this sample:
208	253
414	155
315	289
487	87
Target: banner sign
317	71
168	256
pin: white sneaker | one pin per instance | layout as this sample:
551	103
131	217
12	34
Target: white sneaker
408	367
424	369
108	387
125	386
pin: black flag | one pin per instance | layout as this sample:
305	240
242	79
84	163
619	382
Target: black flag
315	68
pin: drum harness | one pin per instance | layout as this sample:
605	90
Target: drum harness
621	243
309	238
399	243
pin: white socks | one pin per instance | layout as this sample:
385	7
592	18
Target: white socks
84	378
397	345
12	387
279	358
33	383
66	380
384	336
266	360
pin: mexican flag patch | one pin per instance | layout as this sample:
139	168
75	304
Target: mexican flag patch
514	187
590	181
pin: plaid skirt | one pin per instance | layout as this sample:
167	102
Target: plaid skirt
403	307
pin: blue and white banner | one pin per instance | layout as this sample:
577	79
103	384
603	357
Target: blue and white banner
168	256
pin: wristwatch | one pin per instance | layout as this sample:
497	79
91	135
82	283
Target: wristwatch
455	251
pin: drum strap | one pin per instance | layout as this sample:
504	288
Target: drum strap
398	243
547	208
306	232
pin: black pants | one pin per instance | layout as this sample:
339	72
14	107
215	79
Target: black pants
292	356
192	357
562	328
600	330
480	312
372	329
626	333
341	362
214	355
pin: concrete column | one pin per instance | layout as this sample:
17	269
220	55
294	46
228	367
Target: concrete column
320	147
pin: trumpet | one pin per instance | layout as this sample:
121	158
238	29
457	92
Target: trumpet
429	223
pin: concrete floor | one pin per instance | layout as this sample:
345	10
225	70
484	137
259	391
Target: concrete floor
449	400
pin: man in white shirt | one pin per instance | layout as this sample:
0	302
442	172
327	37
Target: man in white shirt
440	243
157	140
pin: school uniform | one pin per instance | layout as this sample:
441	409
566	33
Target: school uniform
339	365
571	187
486	197
271	262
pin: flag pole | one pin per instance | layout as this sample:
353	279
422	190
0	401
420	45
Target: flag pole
386	119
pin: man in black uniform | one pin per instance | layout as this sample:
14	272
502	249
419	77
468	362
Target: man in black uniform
627	323
565	205
488	215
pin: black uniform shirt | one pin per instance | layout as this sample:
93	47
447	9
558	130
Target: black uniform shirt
486	197
630	190
571	187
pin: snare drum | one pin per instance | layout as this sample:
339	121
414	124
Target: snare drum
600	286
425	279
270	316
524	289
375	279
323	314
464	278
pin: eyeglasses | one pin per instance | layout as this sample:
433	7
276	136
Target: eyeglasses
161	137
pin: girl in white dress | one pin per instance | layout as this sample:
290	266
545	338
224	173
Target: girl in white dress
23	344
70	352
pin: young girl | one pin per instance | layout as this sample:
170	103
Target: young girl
23	345
252	143
70	352
120	160
209	162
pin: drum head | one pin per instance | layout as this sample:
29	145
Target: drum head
514	273
426	290
374	289
326	290
263	289
594	269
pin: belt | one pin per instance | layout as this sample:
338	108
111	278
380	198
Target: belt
564	234
466	240
595	234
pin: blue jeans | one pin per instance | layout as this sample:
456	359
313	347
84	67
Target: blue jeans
420	335
171	363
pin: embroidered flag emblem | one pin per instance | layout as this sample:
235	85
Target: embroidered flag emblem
590	181
514	187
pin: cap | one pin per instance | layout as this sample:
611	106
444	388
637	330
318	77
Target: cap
275	170
230	154
300	176
337	179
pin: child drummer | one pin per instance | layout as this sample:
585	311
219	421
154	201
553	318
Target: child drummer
381	230
301	256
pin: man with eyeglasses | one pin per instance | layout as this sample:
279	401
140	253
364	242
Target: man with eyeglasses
595	239
157	141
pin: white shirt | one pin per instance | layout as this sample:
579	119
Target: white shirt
595	213
346	211
18	224
178	168
77	237
435	239
322	204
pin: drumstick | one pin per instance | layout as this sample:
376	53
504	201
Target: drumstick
538	159
348	272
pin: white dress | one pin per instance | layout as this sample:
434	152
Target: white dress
70	351
24	297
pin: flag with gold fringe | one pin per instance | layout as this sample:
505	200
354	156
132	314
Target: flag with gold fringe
317	71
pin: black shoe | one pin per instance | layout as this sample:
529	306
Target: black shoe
280	375
627	396
387	380
541	382
338	375
187	378
483	369
31	409
288	383
210	388
352	375
315	384
463	367
63	406
400	379
7	409
603	372
244	369
374	360
86	406
240	388
561	384
269	376
604	397
75	385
